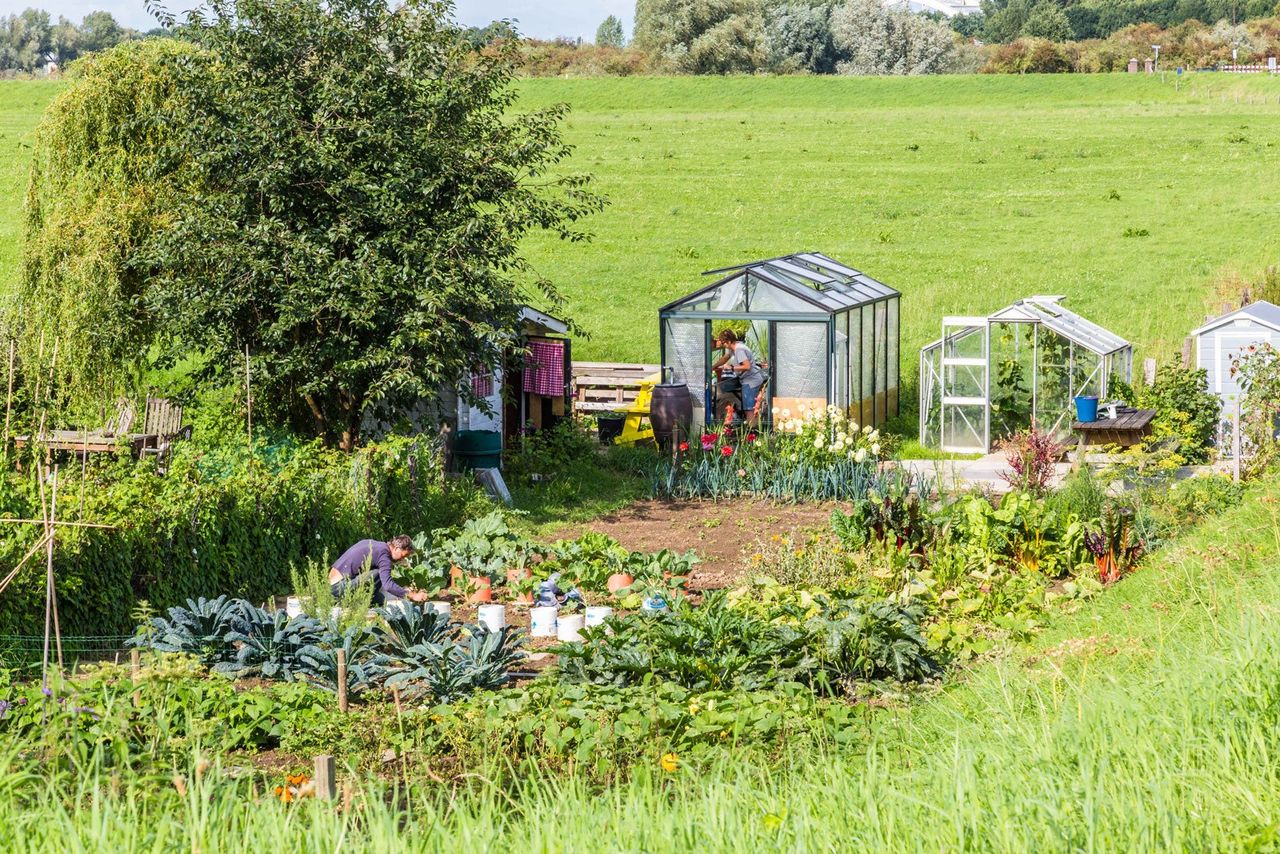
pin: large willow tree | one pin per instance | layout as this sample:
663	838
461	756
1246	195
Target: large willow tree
101	184
339	186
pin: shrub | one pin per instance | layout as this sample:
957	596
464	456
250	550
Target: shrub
1031	455
1187	412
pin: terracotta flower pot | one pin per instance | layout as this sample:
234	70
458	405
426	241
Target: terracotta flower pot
618	581
514	575
480	587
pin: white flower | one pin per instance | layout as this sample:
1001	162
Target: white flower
875	449
853	426
875	434
842	436
860	455
851	455
804	408
817	442
837	446
786	413
866	429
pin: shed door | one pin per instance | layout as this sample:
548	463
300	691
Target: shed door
1230	344
966	426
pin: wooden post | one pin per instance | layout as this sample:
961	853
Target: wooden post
395	696
248	402
1187	344
1235	441
342	680
8	398
324	777
1149	371
135	673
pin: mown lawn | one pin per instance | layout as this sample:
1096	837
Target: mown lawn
21	103
963	192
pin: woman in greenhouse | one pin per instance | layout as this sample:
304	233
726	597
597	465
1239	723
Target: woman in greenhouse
739	359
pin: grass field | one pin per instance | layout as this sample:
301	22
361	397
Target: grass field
963	192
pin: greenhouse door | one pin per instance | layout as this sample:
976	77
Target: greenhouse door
964	385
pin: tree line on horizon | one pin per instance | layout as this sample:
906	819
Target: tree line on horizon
31	39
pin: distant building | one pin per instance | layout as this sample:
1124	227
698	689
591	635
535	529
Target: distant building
949	8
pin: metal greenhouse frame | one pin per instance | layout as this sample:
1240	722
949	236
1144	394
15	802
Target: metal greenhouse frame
987	377
828	332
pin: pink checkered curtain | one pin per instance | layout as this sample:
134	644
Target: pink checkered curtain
482	382
544	369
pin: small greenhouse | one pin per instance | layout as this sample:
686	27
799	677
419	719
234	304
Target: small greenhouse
988	377
827	333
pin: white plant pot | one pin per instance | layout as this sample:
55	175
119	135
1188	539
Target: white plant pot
542	621
444	609
492	617
569	628
293	607
598	614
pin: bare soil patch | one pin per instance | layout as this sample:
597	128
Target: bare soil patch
724	534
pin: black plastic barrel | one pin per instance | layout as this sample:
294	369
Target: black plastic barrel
670	412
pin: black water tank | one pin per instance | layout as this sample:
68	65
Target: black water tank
670	412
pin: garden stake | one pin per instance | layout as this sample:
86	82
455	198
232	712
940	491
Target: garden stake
135	669
395	696
342	682
30	552
248	403
324	776
8	398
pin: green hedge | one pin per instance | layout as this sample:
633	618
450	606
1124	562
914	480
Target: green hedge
212	524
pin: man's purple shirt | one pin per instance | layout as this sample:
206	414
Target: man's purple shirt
377	556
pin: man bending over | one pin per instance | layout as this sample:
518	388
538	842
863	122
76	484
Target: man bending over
369	561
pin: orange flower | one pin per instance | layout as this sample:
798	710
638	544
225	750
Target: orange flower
669	762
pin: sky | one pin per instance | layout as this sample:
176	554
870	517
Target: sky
542	19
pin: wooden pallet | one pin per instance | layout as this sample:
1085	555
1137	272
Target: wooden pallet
608	386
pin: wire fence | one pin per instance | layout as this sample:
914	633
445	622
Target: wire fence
25	650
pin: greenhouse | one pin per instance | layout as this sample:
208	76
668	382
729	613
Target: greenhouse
826	333
988	377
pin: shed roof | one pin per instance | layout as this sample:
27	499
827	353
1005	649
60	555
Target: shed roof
1268	314
801	282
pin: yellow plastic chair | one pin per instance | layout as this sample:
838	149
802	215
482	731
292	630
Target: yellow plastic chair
637	427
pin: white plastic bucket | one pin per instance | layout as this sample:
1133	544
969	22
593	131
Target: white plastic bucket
569	628
653	603
492	617
293	606
444	609
598	614
542	621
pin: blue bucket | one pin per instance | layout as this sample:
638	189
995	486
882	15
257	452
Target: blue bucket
1087	408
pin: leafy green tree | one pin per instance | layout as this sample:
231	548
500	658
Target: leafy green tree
874	39
703	36
100	31
1004	19
1047	21
353	220
798	37
610	34
970	25
26	40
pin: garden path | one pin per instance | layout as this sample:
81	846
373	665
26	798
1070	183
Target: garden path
984	472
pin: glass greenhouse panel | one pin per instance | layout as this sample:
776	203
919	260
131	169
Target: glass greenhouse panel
866	406
766	297
1012	364
800	372
891	378
964	426
931	396
842	361
685	346
882	360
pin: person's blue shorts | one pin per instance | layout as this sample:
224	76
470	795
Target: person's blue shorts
749	393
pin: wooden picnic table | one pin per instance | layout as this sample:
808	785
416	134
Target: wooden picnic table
1129	427
92	443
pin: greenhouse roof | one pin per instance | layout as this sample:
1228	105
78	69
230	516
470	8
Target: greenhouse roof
806	282
1048	310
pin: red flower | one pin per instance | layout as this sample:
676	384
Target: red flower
726	451
751	437
709	437
684	446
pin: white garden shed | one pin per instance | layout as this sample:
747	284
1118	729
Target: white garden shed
1220	342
